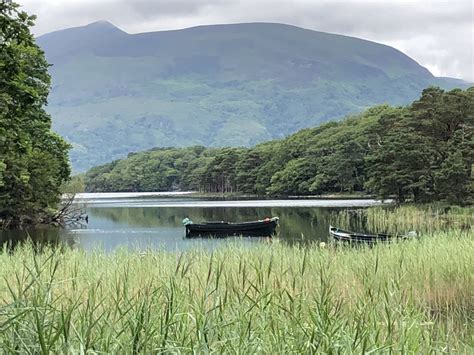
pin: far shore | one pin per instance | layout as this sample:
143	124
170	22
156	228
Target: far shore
197	194
192	199
85	195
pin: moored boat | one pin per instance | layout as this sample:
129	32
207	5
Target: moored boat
352	237
265	227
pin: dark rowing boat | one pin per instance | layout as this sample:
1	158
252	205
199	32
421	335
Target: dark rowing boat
265	227
351	237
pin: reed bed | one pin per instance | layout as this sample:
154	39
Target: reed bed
402	219
410	297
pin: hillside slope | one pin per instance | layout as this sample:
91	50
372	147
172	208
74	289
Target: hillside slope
233	85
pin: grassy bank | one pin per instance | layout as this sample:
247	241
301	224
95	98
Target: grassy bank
408	297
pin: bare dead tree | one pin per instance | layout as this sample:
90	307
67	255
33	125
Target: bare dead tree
69	213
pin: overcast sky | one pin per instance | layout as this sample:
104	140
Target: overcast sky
438	34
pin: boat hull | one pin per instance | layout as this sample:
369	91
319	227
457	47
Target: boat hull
223	229
351	237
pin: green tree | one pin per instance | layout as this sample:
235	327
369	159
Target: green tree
422	152
220	173
425	149
33	159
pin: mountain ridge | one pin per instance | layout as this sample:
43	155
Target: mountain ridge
109	25
115	92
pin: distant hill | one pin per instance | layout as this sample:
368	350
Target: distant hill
232	85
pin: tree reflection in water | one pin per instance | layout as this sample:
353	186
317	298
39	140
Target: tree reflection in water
39	238
296	224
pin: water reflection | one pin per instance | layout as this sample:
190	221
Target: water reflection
312	223
130	224
39	238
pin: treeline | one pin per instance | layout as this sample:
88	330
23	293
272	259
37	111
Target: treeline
422	152
34	160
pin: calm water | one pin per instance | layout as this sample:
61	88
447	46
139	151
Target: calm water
153	220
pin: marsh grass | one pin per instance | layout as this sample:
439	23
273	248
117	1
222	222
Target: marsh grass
402	219
405	297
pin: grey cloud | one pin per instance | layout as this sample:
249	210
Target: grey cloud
438	34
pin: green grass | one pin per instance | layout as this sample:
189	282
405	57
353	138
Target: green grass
411	297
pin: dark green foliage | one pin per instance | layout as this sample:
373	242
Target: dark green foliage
33	159
422	152
225	85
427	150
160	169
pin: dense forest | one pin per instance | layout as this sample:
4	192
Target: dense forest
422	152
33	160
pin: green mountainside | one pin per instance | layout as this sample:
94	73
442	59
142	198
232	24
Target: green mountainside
220	85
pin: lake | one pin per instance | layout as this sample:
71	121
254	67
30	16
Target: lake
154	220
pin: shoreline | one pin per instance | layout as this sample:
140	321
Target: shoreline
196	194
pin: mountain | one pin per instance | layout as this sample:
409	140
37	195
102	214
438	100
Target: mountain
234	85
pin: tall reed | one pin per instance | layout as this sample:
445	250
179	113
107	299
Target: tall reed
402	219
411	297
